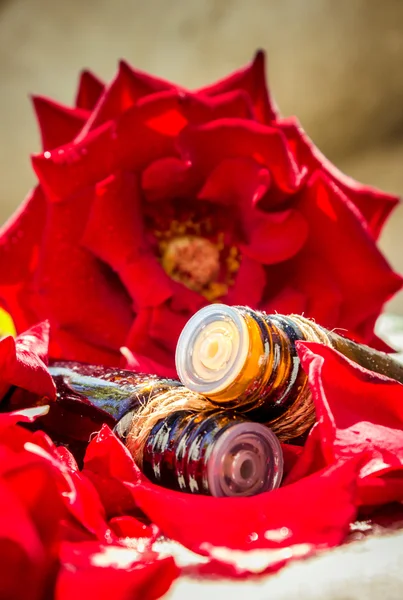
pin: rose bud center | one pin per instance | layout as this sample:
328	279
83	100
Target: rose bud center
193	261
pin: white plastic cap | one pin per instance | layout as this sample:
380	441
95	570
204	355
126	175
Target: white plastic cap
212	349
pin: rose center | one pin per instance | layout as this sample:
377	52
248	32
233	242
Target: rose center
192	260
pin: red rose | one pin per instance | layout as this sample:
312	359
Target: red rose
153	200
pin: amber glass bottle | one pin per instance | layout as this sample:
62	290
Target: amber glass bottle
247	360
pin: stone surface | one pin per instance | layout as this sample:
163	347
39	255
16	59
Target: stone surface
365	570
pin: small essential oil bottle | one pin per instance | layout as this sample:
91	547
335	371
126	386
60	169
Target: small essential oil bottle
247	360
211	452
203	451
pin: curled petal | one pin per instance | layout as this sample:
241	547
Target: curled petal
383	489
23	362
276	237
234	104
167	179
251	79
108	457
174	109
207	145
65	170
240	182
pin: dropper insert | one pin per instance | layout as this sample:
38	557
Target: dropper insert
245	460
212	349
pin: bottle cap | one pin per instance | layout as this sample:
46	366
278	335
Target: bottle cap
212	349
245	460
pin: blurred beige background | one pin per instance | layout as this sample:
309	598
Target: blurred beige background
337	65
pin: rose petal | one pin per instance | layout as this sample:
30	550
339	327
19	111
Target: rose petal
76	294
288	300
146	268
167	179
123	92
382	490
114	227
65	170
310	460
374	205
130	527
32	479
338	232
249	284
316	295
58	124
276	237
269	520
22	550
252	79
90	89
143	364
76	491
359	412
107	456
137	143
66	345
235	104
150	329
115	572
22	362
127	144
19	251
110	467
25	415
238	182
207	145
20	239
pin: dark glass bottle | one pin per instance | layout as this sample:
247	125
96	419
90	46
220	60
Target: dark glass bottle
211	452
214	452
87	396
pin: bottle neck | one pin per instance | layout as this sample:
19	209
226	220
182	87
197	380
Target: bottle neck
111	390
